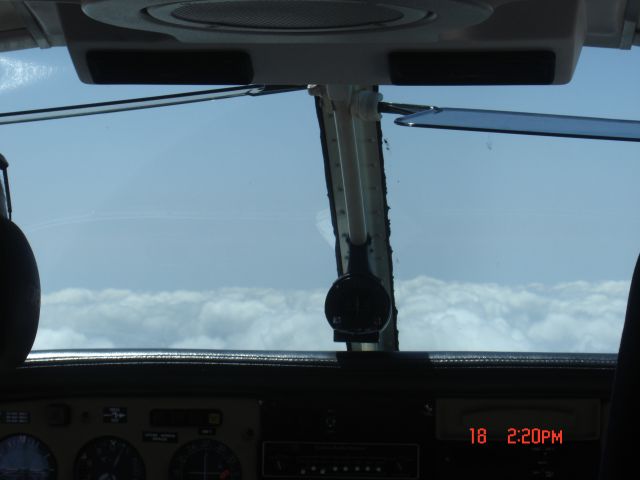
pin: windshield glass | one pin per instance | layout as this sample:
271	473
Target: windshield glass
196	226
208	225
514	242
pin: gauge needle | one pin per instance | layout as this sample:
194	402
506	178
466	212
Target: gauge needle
115	464
204	473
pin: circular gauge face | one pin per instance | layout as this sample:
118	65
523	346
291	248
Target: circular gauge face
108	458
205	460
25	457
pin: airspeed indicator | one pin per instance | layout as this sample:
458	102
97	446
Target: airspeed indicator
24	456
109	458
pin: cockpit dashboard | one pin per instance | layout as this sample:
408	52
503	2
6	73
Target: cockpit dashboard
349	416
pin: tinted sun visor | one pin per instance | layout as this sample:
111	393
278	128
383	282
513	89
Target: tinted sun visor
472	68
169	67
417	42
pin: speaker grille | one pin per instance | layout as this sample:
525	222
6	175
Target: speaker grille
286	15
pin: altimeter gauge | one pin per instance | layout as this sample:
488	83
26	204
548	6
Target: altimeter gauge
109	458
24	457
205	459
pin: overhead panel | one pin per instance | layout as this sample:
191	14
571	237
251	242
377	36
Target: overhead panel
407	42
333	41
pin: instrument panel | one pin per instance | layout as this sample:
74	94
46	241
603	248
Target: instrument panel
130	438
355	438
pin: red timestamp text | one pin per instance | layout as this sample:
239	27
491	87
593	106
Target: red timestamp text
521	436
533	436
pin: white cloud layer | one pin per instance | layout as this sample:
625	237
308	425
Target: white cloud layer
433	315
568	317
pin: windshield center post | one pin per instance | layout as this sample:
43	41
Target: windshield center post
358	306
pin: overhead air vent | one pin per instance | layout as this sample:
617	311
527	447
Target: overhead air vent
196	21
286	15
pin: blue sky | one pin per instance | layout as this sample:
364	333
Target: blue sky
228	194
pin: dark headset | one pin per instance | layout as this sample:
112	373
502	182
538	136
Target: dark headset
19	290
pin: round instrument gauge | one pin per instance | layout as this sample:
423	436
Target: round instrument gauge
108	458
25	457
205	460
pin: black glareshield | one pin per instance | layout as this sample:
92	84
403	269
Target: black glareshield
357	306
19	292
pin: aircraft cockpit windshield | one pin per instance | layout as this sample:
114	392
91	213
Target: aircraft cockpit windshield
209	226
319	239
